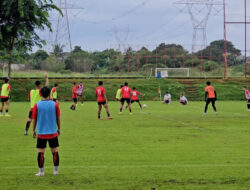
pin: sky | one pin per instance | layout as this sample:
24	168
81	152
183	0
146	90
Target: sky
102	24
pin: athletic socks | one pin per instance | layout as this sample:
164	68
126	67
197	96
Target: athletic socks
41	170
40	160
56	159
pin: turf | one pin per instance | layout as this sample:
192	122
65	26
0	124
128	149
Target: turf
164	147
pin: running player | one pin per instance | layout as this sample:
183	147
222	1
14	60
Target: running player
34	97
183	99
5	96
74	96
80	90
102	100
118	94
46	116
247	94
53	93
210	96
125	92
134	97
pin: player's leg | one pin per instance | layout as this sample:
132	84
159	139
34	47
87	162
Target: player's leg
129	105
213	104
73	107
7	103
99	110
54	144
41	145
107	111
81	99
248	104
207	103
28	123
122	104
139	104
1	110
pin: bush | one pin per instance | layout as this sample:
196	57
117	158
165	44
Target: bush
67	71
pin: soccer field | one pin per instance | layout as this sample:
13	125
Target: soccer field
169	147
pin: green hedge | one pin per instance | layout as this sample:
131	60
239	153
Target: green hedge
230	89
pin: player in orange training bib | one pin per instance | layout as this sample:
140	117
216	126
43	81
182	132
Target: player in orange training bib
210	96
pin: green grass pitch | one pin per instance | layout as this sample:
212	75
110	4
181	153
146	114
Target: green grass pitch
169	147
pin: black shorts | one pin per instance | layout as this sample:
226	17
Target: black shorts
125	99
30	114
101	103
42	143
75	100
132	101
213	100
166	101
4	99
184	103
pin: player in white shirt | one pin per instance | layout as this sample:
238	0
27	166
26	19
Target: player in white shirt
167	98
247	94
183	100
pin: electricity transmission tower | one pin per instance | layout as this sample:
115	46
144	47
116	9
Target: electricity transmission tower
121	36
199	12
61	29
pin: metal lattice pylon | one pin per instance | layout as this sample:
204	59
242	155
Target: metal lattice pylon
199	12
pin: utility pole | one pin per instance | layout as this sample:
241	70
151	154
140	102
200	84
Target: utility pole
245	23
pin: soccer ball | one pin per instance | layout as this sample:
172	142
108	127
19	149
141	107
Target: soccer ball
144	105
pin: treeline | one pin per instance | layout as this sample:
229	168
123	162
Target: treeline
164	55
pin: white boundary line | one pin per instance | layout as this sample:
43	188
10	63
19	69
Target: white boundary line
139	166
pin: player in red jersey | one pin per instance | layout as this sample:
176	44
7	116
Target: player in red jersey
125	92
134	97
102	100
74	96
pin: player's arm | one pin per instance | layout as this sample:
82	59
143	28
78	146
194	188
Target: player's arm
206	96
46	79
34	117
9	91
58	121
215	95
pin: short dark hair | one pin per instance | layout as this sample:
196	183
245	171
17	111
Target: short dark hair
45	91
121	86
245	87
37	83
100	83
56	85
6	80
126	84
134	88
208	82
74	83
166	92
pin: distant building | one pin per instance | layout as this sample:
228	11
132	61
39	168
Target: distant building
17	67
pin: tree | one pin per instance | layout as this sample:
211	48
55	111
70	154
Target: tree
19	22
38	58
53	64
79	62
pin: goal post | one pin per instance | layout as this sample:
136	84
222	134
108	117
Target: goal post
172	72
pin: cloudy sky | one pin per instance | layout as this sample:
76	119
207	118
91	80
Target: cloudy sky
101	24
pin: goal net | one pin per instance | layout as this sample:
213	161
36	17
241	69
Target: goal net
172	72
